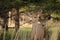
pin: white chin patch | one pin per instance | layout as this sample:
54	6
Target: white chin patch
38	22
30	18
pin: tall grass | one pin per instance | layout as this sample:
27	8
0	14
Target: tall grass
22	34
53	33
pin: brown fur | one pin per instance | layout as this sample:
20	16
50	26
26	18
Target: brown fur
37	30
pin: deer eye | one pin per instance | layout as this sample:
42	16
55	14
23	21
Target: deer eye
39	17
34	17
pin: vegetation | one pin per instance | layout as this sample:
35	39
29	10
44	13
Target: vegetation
25	34
47	10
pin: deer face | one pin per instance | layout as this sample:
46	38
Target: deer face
34	17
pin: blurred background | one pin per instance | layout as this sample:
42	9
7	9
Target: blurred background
16	23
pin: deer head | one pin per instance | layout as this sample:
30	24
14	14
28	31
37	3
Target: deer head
34	17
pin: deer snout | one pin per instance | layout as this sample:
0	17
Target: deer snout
30	19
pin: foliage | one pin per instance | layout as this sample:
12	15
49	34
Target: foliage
25	34
44	4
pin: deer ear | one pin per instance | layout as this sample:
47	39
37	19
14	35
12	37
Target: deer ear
39	12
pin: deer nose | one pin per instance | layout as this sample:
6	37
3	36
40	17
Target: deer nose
39	23
43	25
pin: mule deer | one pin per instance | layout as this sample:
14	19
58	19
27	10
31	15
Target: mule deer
37	29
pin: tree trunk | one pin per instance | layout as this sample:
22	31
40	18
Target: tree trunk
5	25
17	19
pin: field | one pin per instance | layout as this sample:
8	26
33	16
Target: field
52	33
22	34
